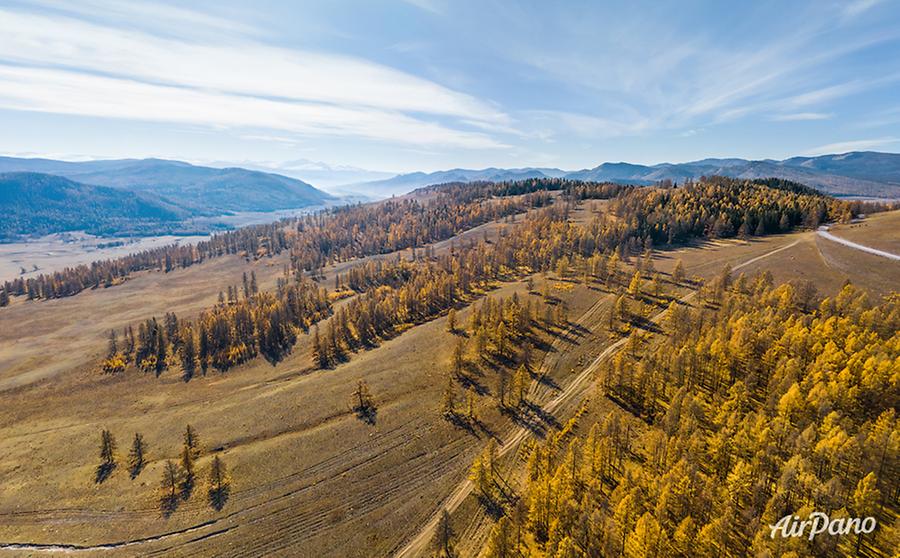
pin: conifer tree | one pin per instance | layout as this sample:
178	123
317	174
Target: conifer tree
107	456
501	543
112	348
471	413
362	403
219	484
188	475
188	354
634	288
137	457
678	273
192	441
458	359
451	320
521	381
448	401
169	484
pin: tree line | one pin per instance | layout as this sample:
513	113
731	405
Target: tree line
253	241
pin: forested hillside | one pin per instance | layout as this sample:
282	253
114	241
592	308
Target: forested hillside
246	324
37	204
195	189
753	406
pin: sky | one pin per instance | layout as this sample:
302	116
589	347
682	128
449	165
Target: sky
421	85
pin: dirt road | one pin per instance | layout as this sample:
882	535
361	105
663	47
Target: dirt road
823	232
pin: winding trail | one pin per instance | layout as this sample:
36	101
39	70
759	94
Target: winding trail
823	232
417	545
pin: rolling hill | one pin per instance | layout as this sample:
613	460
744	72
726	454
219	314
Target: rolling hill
200	190
36	204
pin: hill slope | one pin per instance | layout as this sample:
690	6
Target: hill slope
202	190
37	204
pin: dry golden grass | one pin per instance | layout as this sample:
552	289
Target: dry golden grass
309	478
880	231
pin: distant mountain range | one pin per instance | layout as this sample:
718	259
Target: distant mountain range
137	196
153	196
859	173
195	189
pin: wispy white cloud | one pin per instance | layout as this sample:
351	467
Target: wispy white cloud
158	16
584	125
682	81
857	7
237	67
856	145
801	116
232	81
825	94
434	6
65	92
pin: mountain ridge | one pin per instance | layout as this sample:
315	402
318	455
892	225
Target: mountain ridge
856	173
198	189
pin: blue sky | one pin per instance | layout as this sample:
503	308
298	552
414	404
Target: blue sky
434	84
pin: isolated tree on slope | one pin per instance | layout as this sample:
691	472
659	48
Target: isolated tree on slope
107	456
192	441
137	456
187	473
168	500
451	321
219	484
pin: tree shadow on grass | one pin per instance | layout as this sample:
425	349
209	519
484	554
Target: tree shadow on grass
218	497
168	503
186	488
367	413
103	472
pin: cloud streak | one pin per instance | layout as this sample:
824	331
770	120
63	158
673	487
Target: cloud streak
65	92
856	145
801	116
300	91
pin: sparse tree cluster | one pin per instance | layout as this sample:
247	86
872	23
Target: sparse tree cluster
178	480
